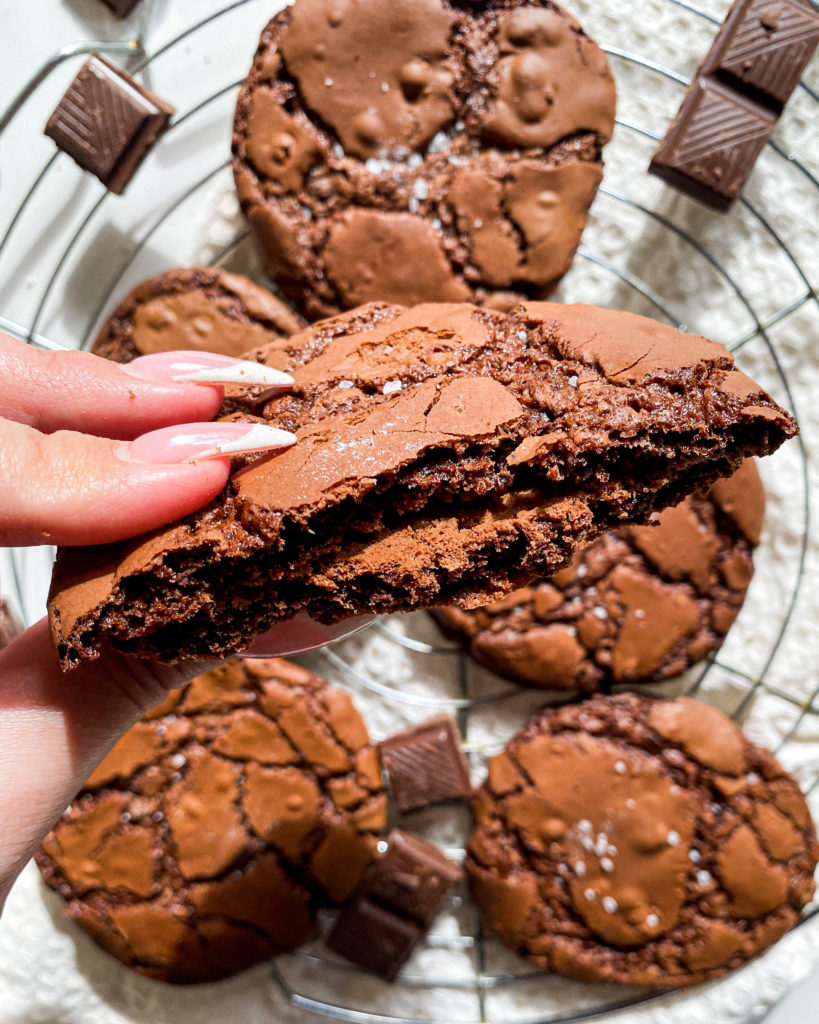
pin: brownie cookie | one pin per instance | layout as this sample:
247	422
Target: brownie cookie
421	150
203	308
209	835
638	605
640	841
9	626
446	454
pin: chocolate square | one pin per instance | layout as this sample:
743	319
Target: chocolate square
107	122
412	877
713	143
394	905
374	938
764	46
425	764
728	114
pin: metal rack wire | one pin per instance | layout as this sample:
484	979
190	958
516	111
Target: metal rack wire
312	979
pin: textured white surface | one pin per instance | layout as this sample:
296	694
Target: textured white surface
49	971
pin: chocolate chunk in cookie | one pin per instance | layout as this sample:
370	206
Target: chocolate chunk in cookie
446	454
209	835
421	150
203	308
640	841
638	605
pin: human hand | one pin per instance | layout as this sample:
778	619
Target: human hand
92	452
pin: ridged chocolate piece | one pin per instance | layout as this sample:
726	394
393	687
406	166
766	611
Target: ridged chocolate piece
734	101
107	122
446	454
764	46
374	938
425	764
396	902
713	143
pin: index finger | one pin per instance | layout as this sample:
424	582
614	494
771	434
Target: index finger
78	391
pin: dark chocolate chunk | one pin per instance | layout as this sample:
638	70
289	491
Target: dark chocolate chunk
713	143
425	764
107	122
397	900
412	877
763	47
374	938
737	94
122	8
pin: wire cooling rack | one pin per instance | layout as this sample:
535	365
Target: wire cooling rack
645	250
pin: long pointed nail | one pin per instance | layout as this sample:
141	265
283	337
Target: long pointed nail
189	442
206	368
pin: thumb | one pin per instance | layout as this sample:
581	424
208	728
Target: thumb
53	734
70	488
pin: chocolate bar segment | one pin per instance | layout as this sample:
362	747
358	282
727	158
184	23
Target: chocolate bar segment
107	122
733	104
396	902
713	143
425	764
763	47
122	8
374	938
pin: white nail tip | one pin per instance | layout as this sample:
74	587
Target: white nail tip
241	372
258	438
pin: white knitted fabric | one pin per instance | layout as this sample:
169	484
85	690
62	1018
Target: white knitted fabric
51	972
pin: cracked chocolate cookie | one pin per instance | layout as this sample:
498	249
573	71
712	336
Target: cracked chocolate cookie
209	835
423	150
203	308
640	841
446	454
636	606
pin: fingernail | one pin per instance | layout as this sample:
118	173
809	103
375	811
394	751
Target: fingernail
205	368
190	442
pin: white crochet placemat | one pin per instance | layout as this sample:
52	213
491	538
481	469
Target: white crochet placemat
699	275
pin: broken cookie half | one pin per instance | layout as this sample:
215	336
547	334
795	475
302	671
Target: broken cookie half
446	454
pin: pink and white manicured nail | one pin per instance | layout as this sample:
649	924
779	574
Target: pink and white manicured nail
182	367
189	442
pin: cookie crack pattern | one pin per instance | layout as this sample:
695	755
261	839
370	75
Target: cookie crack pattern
242	850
